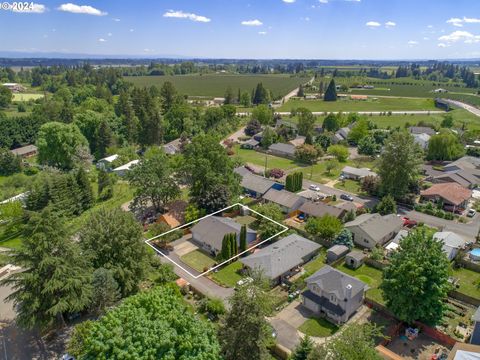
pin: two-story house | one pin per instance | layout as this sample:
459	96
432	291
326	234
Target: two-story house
333	294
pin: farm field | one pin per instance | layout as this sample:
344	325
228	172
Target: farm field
214	85
26	96
379	104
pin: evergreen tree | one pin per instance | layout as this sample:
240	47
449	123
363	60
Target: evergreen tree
105	185
233	244
387	205
243	238
331	92
56	277
105	290
85	190
300	92
303	349
104	139
261	95
225	251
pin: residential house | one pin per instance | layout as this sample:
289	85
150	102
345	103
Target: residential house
250	144
440	90
175	216
465	162
319	209
349	172
336	252
283	150
355	259
173	147
283	258
289	202
370	230
453	196
452	243
395	243
209	232
333	294
123	169
298	141
475	337
421	130
14	87
464	171
256	186
421	139
25	151
341	135
106	163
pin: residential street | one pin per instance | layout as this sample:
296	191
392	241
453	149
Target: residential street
462	105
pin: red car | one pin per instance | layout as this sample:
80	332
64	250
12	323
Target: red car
408	222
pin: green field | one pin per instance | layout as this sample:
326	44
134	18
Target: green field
26	97
214	85
469	282
228	275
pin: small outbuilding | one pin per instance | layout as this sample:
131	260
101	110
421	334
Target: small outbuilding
355	259
336	252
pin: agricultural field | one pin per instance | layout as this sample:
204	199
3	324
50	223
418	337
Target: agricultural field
26	96
374	104
214	85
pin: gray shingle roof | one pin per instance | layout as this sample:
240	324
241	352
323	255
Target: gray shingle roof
24	150
465	162
172	147
281	256
421	130
319	209
357	255
334	281
256	183
283	148
361	172
284	198
375	225
338	249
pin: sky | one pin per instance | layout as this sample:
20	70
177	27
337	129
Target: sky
247	29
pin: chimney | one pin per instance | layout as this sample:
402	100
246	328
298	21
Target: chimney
348	291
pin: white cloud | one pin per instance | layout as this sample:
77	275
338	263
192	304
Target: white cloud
426	38
255	22
131	30
455	22
31	8
430	26
459	35
289	1
443	45
183	15
471	20
353	0
390	24
262	33
116	19
109	34
102	40
323	1
412	42
373	24
81	9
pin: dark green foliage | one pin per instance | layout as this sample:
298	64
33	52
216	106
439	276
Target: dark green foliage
266	227
213	307
269	137
331	92
85	193
6	97
253	127
9	163
243	238
303	349
155	324
56	277
105	185
306	121
444	146
326	227
261	95
387	205
105	290
331	123
104	139
229	246
368	146
294	182
113	240
19	130
419	269
344	238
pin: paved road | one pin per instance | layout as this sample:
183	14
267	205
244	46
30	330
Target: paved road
396	112
462	105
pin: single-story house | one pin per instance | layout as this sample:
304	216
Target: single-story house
442	104
421	130
106	162
465	162
440	90
288	201
336	252
209	232
14	87
355	259
280	259
468	178
242	171
255	185
25	151
173	147
319	209
349	172
333	294
453	195
395	243
421	139
370	230
281	149
341	135
298	141
250	144
452	243
175	215
123	169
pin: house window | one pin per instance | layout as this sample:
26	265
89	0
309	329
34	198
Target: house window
332	299
366	241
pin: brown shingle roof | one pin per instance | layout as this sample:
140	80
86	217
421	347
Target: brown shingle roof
452	192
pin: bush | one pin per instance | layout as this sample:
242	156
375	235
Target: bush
213	307
276	173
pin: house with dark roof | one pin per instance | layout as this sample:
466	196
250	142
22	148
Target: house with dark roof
173	147
452	195
250	144
283	258
319	209
465	162
209	232
333	294
255	185
288	201
283	150
25	151
370	230
421	130
341	135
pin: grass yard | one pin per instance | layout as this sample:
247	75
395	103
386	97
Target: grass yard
228	275
369	275
12	243
468	281
198	260
349	185
214	85
26	96
245	220
318	327
317	263
380	104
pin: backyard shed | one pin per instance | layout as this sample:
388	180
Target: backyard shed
336	252
355	259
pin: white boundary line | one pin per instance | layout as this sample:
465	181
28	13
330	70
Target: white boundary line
284	228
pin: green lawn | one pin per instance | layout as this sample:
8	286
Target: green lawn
245	220
317	263
26	97
380	104
318	327
228	275
468	281
369	275
12	243
214	85
349	185
198	260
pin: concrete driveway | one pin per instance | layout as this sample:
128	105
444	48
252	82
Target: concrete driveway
185	246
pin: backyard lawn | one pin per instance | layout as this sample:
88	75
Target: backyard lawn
228	275
316	264
245	220
468	281
318	327
26	97
198	260
370	276
349	185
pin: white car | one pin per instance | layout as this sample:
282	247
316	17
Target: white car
471	213
314	187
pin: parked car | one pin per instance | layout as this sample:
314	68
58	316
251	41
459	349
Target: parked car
314	187
408	222
346	197
471	212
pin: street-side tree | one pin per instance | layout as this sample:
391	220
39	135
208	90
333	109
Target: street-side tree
399	164
306	121
339	151
356	342
331	92
55	279
113	239
153	181
326	227
263	114
387	205
419	269
152	324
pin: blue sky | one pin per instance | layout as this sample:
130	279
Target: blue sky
321	29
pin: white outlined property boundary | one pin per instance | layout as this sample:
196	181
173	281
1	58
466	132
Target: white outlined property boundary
284	228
